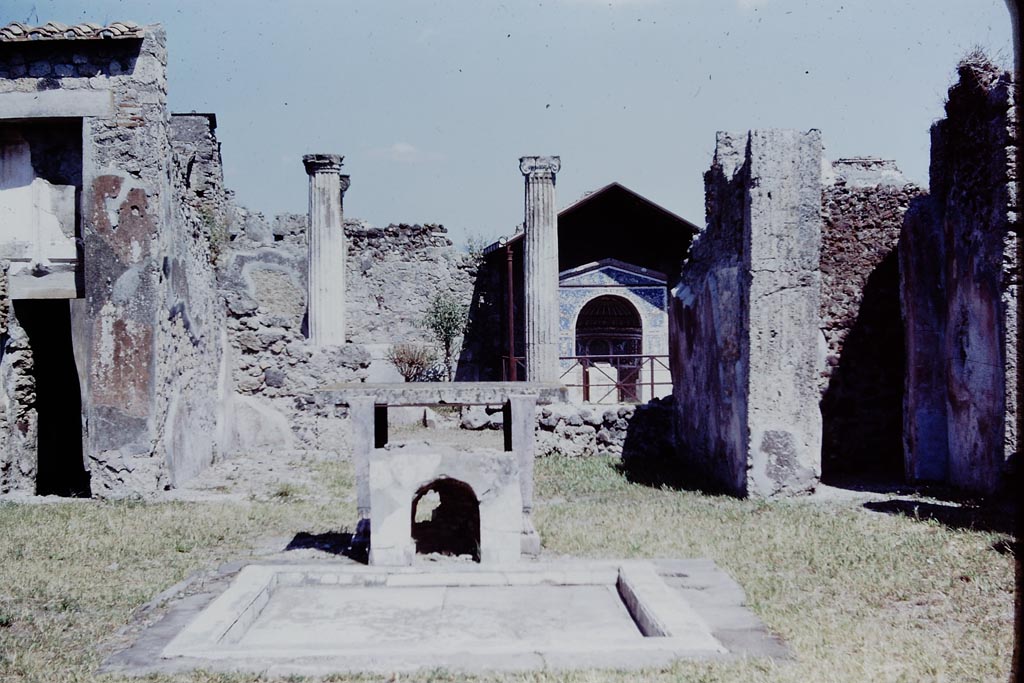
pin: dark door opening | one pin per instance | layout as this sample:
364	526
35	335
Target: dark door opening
862	407
446	519
61	470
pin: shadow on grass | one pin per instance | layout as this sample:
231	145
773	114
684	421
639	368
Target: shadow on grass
658	472
998	517
895	485
650	456
332	542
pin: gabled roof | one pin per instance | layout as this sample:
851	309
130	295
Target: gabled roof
615	187
18	32
600	194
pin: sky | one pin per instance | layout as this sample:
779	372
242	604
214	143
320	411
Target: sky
432	103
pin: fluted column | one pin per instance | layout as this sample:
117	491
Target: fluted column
327	250
540	265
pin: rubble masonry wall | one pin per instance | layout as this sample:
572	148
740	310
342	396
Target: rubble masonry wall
393	273
863	204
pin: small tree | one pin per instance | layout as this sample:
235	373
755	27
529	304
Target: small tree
446	318
475	245
413	361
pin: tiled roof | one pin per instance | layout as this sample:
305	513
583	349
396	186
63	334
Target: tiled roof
53	30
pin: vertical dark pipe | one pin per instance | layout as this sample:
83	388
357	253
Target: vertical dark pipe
511	316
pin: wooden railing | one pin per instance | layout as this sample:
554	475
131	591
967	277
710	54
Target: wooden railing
637	374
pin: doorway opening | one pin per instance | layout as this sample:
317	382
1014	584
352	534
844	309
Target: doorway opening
609	343
60	470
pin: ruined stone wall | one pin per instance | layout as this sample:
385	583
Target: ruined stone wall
5	302
959	287
745	331
636	433
262	277
573	430
126	200
486	343
863	204
395	272
708	319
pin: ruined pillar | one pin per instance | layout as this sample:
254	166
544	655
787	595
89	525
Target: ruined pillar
325	303
746	326
960	283
540	265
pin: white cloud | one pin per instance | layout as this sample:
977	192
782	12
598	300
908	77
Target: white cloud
403	153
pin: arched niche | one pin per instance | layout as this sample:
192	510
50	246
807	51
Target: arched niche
446	519
609	330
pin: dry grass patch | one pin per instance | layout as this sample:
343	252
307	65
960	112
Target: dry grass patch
858	595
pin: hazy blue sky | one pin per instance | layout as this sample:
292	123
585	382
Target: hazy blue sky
432	103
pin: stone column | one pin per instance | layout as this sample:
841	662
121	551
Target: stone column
540	265
328	250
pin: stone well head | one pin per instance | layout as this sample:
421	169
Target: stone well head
466	503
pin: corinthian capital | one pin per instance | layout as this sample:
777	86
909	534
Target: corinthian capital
322	163
532	166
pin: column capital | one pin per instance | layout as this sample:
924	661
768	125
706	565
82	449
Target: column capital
322	163
538	166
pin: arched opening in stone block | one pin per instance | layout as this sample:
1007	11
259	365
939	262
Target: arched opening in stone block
609	341
446	519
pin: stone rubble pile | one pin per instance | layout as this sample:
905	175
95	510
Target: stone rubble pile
580	431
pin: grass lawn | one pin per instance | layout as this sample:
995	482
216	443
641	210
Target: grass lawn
858	595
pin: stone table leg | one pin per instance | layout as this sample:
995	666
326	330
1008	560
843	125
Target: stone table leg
361	415
520	426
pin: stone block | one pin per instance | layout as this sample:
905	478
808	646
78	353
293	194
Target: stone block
255	425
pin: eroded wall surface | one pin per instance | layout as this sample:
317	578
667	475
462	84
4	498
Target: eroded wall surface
745	347
959	291
708	321
194	385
